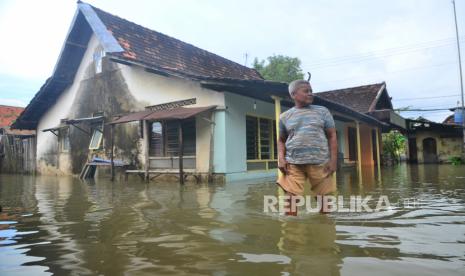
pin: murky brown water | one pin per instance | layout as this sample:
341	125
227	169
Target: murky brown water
62	226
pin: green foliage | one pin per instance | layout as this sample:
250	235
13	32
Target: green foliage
456	160
279	68
393	144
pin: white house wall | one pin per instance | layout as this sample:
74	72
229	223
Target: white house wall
47	143
136	89
151	89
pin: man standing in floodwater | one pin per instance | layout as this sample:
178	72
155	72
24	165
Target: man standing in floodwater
307	145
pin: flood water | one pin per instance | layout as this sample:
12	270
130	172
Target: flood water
62	226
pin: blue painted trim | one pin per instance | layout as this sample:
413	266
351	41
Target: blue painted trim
253	176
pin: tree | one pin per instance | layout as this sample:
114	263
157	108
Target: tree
279	68
394	144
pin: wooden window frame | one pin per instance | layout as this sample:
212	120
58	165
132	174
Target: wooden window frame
165	152
272	139
64	132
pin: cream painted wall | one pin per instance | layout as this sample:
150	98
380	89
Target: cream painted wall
46	141
204	134
152	89
446	147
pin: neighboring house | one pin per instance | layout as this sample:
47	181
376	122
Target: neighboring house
16	146
372	100
449	120
431	142
8	114
150	91
456	118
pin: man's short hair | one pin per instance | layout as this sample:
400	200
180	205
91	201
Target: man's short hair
294	85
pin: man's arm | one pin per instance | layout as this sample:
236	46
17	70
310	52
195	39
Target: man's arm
332	141
282	163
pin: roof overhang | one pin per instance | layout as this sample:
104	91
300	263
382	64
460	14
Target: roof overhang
265	90
445	130
85	120
390	117
177	113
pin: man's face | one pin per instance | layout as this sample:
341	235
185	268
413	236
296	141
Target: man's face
304	94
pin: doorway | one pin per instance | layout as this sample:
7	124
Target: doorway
430	150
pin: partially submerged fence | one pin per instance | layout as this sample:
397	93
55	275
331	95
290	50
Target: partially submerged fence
17	154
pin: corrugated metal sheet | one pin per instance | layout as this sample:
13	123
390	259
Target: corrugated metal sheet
178	113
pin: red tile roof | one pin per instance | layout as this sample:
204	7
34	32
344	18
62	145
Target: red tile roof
155	49
359	98
8	114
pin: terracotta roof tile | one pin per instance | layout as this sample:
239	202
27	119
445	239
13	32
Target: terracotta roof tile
358	98
8	114
155	49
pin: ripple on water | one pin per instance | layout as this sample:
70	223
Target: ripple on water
64	226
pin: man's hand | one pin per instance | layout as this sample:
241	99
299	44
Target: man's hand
330	167
283	166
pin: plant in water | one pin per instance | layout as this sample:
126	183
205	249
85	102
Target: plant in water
456	160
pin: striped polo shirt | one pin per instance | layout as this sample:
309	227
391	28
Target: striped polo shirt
306	137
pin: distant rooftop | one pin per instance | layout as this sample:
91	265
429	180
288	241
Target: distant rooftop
8	114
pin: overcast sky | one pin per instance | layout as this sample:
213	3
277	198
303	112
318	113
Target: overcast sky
410	44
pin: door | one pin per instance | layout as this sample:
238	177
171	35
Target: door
429	150
352	137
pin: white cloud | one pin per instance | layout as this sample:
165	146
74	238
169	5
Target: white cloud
12	102
32	36
33	33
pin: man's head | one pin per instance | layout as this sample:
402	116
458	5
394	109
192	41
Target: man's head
301	92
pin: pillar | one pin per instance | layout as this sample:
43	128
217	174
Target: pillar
359	151
277	112
378	154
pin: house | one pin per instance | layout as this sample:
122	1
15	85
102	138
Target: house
122	91
372	100
431	142
16	146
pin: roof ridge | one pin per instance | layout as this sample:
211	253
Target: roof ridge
353	87
176	39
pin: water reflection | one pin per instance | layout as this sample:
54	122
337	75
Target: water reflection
311	246
60	225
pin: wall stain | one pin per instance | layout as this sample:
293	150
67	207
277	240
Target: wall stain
105	92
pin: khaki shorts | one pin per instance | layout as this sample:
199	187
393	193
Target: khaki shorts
321	182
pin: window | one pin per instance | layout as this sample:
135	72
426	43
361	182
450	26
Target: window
164	138
98	56
251	137
265	139
261	143
64	140
156	141
97	135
